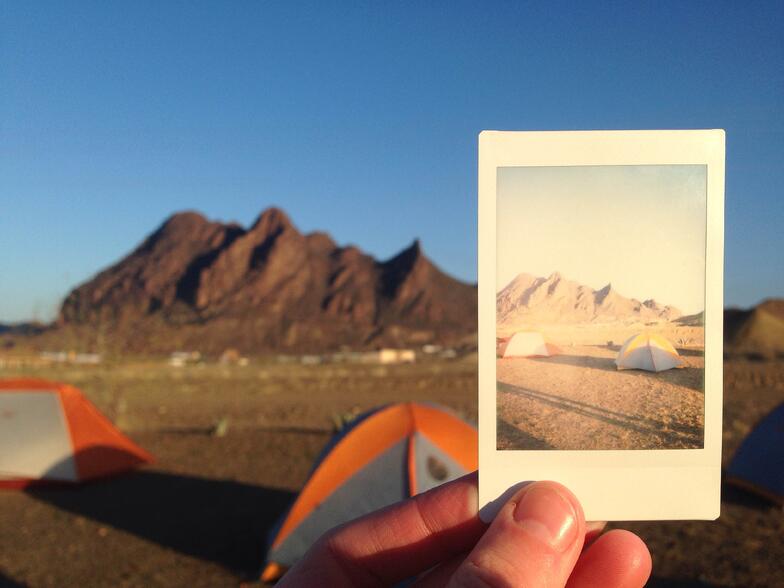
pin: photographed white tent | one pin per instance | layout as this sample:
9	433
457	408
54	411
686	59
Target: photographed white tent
648	351
49	432
529	344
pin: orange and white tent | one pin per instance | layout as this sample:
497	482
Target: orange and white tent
529	344
648	351
49	432
382	457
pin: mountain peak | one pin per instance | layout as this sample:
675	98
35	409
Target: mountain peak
415	248
307	293
557	299
271	220
408	256
273	214
185	216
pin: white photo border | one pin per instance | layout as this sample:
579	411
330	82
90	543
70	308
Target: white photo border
612	485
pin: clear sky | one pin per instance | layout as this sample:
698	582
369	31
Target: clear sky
640	227
357	118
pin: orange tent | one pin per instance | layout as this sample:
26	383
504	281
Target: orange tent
383	456
49	432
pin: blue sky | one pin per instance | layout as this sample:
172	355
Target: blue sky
357	118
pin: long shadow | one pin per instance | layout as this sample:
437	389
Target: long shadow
688	377
6	582
655	582
222	521
678	436
732	494
518	439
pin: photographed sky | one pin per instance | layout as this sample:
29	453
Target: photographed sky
641	228
360	119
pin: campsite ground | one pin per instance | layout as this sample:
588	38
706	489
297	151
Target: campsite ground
580	400
199	515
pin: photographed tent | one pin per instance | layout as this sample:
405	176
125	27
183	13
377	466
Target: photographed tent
529	344
648	351
382	457
758	464
49	432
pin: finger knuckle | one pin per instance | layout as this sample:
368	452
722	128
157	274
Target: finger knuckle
476	573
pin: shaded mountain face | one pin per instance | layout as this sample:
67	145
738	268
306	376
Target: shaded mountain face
210	285
555	299
759	330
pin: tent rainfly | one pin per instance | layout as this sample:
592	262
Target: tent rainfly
648	351
49	432
382	457
529	344
758	464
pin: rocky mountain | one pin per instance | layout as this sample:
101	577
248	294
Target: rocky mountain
757	331
555	299
207	285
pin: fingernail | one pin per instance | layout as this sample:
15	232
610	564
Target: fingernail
547	515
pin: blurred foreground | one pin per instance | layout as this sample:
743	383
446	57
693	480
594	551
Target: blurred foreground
234	443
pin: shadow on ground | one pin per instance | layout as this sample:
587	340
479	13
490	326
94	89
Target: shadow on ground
222	521
667	583
510	437
6	582
732	494
689	377
670	435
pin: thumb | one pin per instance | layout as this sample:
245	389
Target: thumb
534	540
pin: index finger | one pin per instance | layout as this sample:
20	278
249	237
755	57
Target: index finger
397	542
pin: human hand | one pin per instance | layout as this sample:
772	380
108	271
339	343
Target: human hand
538	539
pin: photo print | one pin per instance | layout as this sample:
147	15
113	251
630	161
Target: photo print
600	305
600	318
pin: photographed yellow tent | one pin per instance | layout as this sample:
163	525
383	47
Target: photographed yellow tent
529	344
383	456
648	351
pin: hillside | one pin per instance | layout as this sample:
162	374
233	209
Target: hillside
206	285
555	299
759	330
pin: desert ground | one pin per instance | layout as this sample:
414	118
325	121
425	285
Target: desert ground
580	400
199	515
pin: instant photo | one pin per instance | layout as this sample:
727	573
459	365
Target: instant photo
600	318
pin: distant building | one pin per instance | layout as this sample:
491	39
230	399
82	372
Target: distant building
390	356
71	357
232	357
87	358
183	358
311	359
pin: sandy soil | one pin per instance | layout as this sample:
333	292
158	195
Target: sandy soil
200	515
579	400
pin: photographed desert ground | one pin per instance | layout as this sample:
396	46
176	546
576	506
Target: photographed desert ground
580	400
199	515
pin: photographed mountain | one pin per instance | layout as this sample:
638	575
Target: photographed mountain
205	285
757	331
555	299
